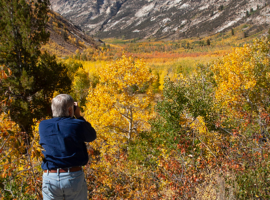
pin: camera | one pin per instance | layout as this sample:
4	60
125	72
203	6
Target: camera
75	107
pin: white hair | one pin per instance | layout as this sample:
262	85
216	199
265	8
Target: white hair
60	105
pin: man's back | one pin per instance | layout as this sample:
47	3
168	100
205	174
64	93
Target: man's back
63	140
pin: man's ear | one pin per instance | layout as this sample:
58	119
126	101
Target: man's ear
70	109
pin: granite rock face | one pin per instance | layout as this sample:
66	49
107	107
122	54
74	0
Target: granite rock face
170	19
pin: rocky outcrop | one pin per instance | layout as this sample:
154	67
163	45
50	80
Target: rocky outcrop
161	18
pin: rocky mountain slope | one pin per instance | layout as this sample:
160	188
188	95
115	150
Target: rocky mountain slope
65	37
171	19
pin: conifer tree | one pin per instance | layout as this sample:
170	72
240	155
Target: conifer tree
35	75
232	31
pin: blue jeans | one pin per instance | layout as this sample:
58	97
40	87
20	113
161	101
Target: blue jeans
68	186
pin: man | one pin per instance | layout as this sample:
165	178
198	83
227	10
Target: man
63	137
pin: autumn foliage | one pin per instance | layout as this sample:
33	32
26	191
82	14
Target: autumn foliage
205	136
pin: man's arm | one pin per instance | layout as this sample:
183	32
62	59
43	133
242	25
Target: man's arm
89	132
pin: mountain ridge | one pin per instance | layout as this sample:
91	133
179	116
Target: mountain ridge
172	19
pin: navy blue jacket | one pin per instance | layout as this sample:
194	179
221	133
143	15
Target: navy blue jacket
63	139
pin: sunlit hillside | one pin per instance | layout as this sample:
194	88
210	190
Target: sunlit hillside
65	37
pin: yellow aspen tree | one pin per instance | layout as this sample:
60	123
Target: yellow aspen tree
243	76
120	106
243	82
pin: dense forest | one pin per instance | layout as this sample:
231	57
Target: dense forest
185	119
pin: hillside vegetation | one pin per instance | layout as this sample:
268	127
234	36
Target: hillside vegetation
65	37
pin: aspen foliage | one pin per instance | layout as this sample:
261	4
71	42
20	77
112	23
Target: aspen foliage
208	140
20	159
243	76
120	106
115	106
208	137
11	144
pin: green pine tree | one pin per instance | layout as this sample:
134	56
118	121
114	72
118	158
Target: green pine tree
232	31
35	75
208	42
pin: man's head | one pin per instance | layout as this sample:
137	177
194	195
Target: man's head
62	106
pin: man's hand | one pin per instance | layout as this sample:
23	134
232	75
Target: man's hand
77	111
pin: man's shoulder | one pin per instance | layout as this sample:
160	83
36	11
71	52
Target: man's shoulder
63	120
48	121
